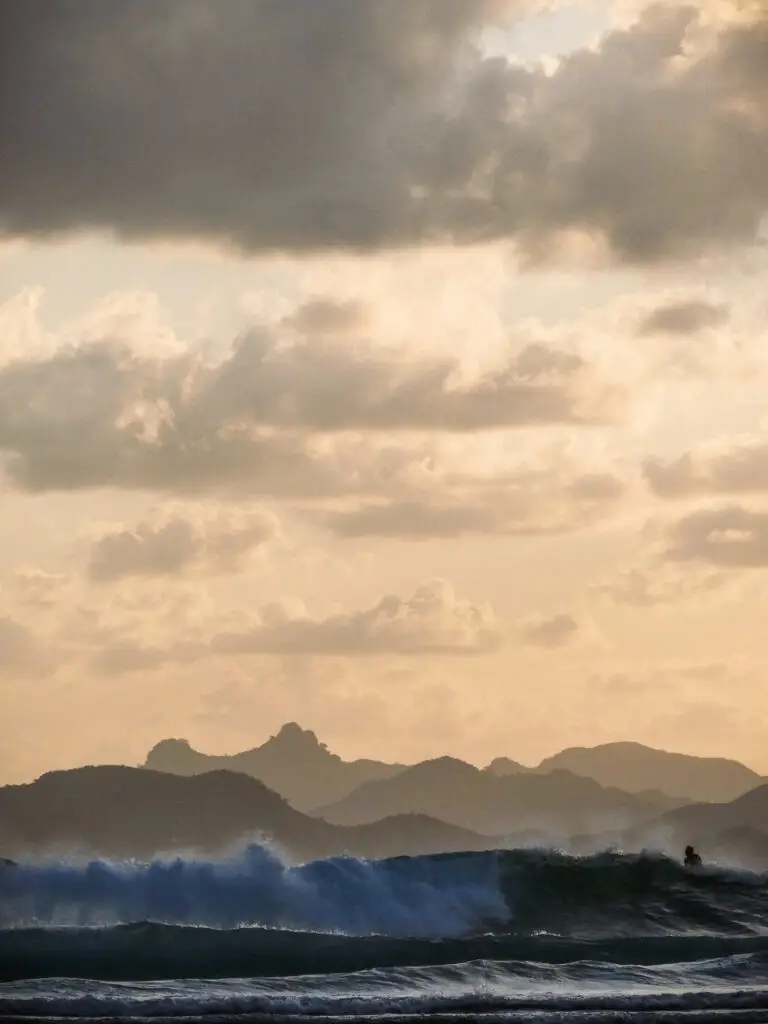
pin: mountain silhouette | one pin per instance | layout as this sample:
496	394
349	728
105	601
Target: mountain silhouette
442	805
506	766
702	823
116	811
299	767
727	832
293	763
635	768
558	803
742	845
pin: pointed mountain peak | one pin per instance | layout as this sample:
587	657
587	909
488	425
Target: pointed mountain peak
293	738
506	766
292	734
177	756
292	730
171	745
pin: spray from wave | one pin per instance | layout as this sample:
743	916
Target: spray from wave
420	896
447	895
530	935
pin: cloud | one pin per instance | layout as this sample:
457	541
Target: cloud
550	633
523	503
263	417
659	584
732	537
321	316
735	466
331	386
287	125
363	438
431	622
685	317
176	541
692	338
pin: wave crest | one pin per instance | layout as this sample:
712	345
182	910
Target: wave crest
447	895
419	896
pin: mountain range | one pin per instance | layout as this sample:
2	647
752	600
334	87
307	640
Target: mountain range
294	763
733	832
636	768
123	812
117	811
296	793
736	822
557	804
302	769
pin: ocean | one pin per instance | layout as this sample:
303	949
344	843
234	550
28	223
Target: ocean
534	936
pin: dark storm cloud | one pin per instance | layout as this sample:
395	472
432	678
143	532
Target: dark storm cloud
296	125
277	123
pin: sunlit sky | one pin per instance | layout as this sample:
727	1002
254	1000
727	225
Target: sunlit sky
397	369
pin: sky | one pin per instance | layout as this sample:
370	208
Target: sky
397	369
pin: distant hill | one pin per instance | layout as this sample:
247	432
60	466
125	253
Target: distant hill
506	766
702	823
293	763
558	803
117	811
729	832
743	845
635	768
300	768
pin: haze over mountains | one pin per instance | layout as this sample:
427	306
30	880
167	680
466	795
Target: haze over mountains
558	803
123	812
294	762
733	832
701	823
116	811
294	792
302	769
584	799
636	768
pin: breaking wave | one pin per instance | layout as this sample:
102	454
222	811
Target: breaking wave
515	892
531	936
441	895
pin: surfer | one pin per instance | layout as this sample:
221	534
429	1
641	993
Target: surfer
692	859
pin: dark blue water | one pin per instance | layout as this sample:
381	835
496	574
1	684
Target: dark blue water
512	935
